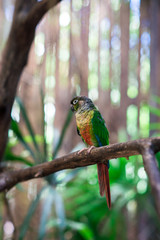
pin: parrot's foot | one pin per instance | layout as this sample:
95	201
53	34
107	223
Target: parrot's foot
82	150
88	149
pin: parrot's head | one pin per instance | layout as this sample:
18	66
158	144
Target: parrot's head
81	104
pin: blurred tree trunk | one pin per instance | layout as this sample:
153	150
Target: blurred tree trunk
62	100
110	13
155	47
59	96
111	113
138	99
104	95
71	138
143	226
155	54
85	15
1	25
124	23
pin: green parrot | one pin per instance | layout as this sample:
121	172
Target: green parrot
92	129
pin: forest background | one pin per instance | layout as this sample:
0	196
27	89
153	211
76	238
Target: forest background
108	50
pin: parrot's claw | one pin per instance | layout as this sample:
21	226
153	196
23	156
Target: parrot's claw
88	149
82	150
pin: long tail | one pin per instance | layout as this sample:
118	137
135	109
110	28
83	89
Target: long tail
103	179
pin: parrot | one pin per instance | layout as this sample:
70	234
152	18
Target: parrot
94	133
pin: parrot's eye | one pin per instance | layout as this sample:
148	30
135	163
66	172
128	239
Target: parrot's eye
75	101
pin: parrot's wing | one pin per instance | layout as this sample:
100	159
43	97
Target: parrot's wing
102	136
99	129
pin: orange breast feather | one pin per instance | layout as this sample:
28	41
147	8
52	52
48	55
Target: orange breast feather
85	127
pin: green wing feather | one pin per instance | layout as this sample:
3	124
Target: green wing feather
101	135
100	131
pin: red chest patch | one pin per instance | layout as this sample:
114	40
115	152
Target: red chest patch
86	135
85	127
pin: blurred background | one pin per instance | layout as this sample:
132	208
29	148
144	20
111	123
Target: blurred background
108	50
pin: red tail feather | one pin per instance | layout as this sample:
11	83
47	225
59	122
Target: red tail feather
103	179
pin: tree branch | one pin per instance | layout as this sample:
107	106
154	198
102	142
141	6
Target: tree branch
27	15
153	173
145	147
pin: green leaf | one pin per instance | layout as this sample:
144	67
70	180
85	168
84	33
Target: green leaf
158	158
9	156
155	111
15	128
79	227
64	129
155	126
28	124
43	126
82	228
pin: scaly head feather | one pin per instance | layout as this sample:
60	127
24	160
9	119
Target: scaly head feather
81	104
